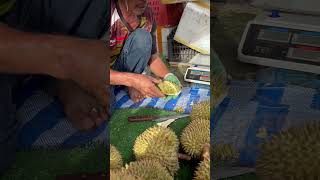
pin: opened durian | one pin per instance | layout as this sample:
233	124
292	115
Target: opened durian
200	111
195	136
158	143
203	170
292	154
148	169
224	152
122	175
115	158
169	88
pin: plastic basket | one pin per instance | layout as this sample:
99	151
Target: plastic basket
178	52
166	14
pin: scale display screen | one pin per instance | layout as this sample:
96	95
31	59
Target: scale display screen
198	75
283	44
274	34
306	38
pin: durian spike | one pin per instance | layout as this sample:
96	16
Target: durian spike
122	175
291	154
200	111
184	157
148	169
160	144
194	136
115	158
203	170
225	152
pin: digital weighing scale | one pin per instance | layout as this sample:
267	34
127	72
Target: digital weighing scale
284	40
199	71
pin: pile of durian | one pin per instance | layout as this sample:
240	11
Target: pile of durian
157	154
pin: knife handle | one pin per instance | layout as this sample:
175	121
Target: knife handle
140	118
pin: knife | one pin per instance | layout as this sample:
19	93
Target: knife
155	118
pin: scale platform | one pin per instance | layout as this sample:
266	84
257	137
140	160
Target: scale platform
284	40
199	71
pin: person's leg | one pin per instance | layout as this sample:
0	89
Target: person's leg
134	56
136	52
8	123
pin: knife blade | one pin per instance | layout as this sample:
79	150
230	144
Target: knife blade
161	119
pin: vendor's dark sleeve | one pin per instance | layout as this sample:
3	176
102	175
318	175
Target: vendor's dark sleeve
81	18
154	38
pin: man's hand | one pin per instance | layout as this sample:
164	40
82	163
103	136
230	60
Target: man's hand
81	109
135	95
87	63
146	85
158	67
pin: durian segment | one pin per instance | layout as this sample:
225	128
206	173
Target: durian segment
161	144
122	175
169	88
291	154
180	109
200	111
203	170
194	136
115	158
148	170
224	152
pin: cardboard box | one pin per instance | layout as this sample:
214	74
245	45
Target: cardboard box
194	27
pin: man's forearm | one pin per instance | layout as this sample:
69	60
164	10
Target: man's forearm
29	53
121	78
158	67
84	61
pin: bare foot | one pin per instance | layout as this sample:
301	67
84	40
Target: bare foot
82	110
135	95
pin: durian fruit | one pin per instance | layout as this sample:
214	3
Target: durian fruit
158	143
203	170
122	175
195	136
291	154
169	88
148	169
200	111
115	158
224	152
179	109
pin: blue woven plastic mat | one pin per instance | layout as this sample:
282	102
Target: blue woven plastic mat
44	124
251	108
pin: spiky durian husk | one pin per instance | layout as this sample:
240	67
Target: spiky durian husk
292	154
194	136
203	170
161	144
122	175
148	170
115	158
169	88
200	111
224	152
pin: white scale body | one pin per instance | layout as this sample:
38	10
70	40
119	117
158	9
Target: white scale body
291	41
199	71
